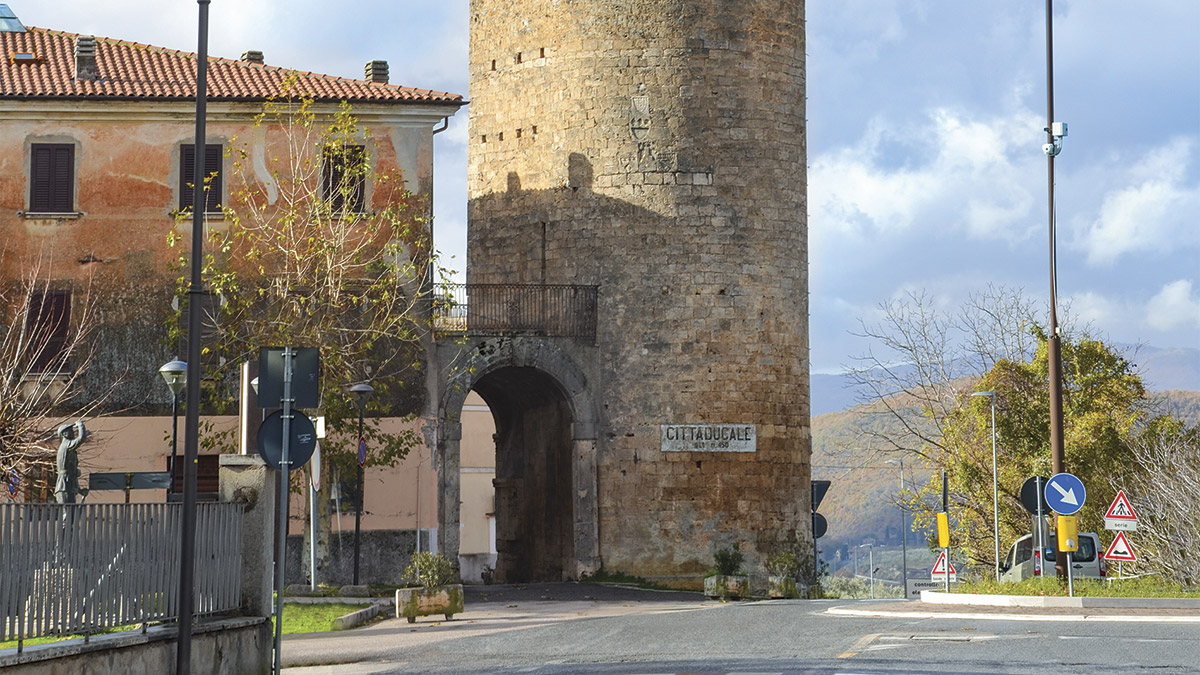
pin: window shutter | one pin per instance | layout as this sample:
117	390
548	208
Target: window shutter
212	167
48	327
187	175
213	154
343	184
63	179
52	178
39	178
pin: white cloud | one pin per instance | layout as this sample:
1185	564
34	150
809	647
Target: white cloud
949	172
1173	307
1092	309
1154	210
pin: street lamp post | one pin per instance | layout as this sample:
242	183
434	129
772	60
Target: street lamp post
903	529
174	373
361	392
991	394
870	565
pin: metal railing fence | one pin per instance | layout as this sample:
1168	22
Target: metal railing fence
81	568
553	310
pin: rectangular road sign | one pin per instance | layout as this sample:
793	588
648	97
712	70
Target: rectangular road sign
915	586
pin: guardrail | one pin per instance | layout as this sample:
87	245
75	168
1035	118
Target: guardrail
69	569
553	310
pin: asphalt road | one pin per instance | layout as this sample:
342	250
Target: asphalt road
572	628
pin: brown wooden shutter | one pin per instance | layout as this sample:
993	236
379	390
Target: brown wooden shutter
48	326
52	178
342	164
213	154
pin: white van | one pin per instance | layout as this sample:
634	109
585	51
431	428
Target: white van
1023	562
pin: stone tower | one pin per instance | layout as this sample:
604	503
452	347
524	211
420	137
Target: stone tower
654	149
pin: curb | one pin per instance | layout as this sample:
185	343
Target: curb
361	616
979	600
844	611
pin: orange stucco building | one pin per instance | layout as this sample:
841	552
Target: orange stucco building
96	150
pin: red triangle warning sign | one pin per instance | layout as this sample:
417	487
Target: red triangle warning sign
1121	509
1120	550
939	566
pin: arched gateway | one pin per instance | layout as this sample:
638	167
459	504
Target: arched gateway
545	486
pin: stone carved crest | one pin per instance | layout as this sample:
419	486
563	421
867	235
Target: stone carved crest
639	118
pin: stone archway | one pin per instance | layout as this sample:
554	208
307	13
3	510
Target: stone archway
546	502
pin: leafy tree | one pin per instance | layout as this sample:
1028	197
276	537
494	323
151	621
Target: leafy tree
1101	406
925	362
321	246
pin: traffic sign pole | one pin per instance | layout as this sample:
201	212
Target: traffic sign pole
284	469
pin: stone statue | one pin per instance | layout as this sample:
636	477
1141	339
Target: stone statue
66	488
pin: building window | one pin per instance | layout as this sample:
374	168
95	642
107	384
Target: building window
344	178
213	154
52	178
47	325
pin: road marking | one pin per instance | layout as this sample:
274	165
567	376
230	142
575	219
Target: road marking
859	645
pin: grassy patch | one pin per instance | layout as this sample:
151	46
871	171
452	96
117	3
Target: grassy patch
313	618
12	644
1143	587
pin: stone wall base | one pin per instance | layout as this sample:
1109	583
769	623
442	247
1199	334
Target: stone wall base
240	646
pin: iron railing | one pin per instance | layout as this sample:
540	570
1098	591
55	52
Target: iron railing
70	569
552	310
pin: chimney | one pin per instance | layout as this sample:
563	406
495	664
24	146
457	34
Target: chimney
377	71
252	56
85	59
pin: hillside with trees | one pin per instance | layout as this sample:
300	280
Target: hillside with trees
925	414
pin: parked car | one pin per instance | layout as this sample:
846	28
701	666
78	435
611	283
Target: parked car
1023	562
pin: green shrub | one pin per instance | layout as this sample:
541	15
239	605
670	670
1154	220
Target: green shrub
729	560
429	570
783	564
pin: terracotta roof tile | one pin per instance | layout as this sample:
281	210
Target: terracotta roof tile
131	70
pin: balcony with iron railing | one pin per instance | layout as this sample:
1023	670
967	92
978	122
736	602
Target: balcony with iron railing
548	310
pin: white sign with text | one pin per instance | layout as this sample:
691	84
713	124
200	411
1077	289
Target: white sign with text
709	438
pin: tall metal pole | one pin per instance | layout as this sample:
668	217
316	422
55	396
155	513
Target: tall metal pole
358	507
174	440
995	489
1054	345
285	465
191	444
903	532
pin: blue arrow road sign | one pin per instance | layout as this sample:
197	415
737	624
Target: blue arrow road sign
1065	494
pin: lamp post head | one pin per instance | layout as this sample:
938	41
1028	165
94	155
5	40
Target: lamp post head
991	394
362	393
174	373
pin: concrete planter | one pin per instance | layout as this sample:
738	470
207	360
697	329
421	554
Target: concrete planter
726	586
414	602
782	587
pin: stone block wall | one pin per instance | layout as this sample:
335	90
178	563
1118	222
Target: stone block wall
656	148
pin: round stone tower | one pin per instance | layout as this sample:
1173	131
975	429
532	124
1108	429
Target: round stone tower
655	149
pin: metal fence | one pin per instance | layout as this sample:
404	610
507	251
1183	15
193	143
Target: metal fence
70	569
553	310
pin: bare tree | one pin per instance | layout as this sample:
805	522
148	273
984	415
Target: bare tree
923	360
46	347
1168	534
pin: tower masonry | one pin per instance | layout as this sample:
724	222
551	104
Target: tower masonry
654	149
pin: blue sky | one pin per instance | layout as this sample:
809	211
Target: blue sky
924	138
